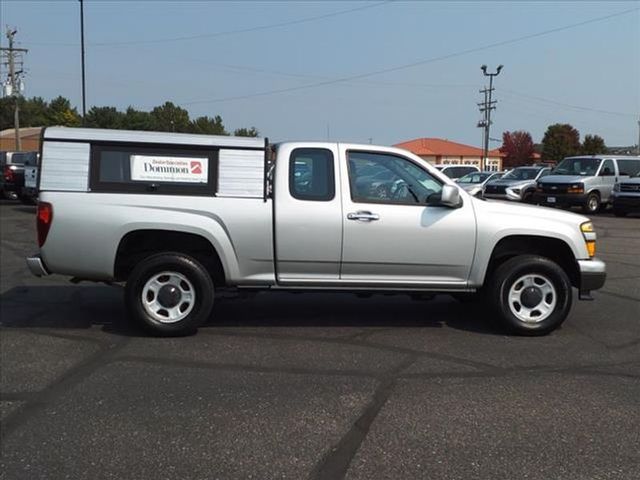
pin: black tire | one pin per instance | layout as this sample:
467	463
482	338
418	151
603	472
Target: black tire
527	197
186	267
592	204
507	276
618	212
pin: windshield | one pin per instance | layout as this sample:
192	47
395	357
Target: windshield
474	177
522	173
584	167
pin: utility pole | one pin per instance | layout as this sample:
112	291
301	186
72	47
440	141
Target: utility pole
486	107
84	93
12	58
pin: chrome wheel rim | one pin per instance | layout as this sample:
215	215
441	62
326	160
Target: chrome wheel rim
593	204
168	297
532	298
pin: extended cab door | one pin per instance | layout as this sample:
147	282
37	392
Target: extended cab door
308	214
391	237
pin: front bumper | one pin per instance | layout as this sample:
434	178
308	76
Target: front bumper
36	266
561	199
625	202
593	274
495	196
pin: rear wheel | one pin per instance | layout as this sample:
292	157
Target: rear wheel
530	294
592	205
169	294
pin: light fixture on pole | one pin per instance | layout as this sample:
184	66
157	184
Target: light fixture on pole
486	108
84	92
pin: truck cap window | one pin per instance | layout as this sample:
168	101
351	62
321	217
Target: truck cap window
385	178
152	169
311	174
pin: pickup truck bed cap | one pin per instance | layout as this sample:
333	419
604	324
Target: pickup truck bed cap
101	135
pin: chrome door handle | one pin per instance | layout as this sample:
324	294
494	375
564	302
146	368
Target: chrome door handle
363	216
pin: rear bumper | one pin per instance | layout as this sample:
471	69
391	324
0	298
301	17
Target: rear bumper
562	199
593	274
36	266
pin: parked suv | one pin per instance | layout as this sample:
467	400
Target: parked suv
626	196
518	185
586	182
457	171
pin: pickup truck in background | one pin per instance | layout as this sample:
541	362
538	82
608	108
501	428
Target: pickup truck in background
29	194
14	166
176	217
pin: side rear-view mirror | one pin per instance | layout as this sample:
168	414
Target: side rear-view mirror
448	197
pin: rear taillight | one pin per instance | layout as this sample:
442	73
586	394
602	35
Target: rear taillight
45	217
8	174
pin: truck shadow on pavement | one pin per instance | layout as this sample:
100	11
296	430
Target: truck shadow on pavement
83	307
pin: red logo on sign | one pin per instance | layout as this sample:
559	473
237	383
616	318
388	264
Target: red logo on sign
196	167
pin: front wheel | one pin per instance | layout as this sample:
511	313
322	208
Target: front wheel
530	294
592	205
169	294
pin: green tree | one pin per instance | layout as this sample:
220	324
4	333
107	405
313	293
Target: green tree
33	112
560	140
137	120
518	148
105	117
208	126
170	118
6	112
593	144
60	112
246	132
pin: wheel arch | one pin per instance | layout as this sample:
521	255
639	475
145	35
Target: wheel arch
135	245
552	248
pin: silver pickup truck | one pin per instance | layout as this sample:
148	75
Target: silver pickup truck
178	217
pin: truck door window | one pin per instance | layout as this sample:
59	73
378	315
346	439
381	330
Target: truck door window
385	178
311	174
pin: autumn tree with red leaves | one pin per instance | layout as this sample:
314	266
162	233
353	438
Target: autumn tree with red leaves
518	149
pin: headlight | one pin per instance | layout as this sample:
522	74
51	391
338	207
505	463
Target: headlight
589	235
576	188
616	187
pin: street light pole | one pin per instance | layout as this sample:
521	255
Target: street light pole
488	106
84	93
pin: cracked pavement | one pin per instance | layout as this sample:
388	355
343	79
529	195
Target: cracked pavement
314	385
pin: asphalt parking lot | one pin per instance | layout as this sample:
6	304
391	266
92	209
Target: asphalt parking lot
316	386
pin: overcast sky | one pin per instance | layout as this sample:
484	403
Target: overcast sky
563	62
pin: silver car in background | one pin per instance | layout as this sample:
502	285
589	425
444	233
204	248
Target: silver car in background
474	182
457	171
518	185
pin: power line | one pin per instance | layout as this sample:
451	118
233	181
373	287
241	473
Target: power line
225	32
567	105
413	64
